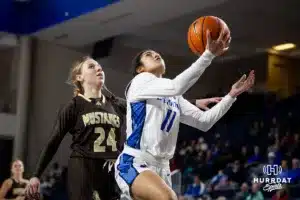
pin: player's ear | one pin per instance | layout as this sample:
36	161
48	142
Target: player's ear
79	78
140	69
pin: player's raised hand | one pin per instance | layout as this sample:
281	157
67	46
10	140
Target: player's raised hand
221	45
242	85
203	103
32	190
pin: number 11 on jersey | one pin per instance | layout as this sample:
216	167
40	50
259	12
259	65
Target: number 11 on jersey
168	121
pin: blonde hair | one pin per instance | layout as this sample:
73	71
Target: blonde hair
16	160
76	70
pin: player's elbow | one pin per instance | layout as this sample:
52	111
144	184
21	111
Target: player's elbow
205	127
205	124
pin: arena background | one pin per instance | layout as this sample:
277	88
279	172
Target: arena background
39	40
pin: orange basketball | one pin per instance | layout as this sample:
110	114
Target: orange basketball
197	32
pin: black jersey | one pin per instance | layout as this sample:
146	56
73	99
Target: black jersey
96	126
17	189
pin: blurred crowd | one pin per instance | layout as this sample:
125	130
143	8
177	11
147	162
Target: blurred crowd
223	162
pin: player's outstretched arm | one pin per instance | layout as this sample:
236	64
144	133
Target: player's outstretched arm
204	103
65	121
147	85
200	103
194	117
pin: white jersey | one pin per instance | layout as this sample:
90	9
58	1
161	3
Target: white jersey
155	109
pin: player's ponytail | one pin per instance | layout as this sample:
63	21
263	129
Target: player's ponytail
78	89
136	62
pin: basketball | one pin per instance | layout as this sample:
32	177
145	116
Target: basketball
197	32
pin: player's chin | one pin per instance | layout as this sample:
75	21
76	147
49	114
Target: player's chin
100	79
100	83
160	68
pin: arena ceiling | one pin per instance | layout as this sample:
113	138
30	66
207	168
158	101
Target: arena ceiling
127	16
255	25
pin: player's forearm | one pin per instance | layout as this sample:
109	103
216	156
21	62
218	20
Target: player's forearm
189	77
46	156
205	120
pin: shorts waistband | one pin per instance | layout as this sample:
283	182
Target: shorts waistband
147	157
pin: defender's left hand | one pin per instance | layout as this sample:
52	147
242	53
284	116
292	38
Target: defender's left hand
203	103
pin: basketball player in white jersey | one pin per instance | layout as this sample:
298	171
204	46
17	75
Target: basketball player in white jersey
155	107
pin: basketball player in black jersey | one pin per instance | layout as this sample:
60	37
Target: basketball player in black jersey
96	120
14	187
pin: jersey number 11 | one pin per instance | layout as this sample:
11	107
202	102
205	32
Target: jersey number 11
167	122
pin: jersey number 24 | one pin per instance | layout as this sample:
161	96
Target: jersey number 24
110	141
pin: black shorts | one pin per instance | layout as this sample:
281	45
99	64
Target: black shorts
90	179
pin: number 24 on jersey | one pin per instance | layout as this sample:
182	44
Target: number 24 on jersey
110	141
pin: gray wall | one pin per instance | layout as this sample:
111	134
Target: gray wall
7	78
7	124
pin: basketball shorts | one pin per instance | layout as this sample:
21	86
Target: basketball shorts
133	162
91	179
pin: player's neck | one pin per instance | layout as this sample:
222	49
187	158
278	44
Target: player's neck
157	73
92	92
18	177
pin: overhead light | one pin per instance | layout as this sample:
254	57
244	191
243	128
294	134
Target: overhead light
285	46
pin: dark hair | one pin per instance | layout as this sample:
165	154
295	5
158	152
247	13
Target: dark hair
136	62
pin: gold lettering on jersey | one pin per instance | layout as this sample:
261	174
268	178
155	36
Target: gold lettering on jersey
18	191
101	118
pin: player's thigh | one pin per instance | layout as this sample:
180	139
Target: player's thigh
105	184
136	178
149	186
79	179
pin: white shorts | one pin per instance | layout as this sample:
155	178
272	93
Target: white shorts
132	162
